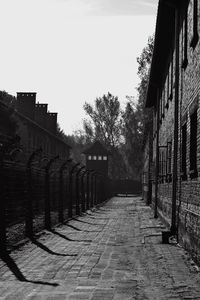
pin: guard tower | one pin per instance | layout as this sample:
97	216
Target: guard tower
97	158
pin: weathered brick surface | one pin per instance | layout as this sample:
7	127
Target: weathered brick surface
114	252
188	191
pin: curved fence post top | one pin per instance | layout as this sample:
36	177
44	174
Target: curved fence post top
32	156
51	161
64	164
74	167
79	170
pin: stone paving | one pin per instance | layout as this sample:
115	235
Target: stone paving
113	252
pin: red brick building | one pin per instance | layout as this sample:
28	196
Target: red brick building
173	92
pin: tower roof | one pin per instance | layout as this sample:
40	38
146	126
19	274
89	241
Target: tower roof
96	148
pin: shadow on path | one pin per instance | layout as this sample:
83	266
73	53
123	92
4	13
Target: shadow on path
61	235
69	225
45	248
18	274
75	219
68	239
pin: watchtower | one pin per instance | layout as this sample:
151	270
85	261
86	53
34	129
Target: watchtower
97	158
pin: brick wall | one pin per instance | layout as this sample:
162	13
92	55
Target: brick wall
188	186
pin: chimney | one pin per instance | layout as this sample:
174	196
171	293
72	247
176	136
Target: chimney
52	122
26	104
41	114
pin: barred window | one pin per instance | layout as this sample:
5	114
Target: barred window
193	144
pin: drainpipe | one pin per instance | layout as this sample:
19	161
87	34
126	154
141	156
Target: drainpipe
157	156
173	228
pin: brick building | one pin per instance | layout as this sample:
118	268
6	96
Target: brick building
36	127
173	92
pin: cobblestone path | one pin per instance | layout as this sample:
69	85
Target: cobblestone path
113	252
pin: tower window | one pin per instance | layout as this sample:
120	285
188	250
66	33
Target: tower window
104	157
89	157
94	157
99	157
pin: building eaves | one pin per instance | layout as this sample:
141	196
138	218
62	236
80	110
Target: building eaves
163	45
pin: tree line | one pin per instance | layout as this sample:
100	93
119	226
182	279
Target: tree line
121	130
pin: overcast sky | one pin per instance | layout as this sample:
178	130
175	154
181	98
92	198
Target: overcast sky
72	51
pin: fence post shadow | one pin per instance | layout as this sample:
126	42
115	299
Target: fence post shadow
11	264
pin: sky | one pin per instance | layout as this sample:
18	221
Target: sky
72	51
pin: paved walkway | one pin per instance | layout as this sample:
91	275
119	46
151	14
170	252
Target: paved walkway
114	252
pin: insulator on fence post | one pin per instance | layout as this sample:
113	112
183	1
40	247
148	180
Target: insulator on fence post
70	212
47	217
29	200
61	200
78	191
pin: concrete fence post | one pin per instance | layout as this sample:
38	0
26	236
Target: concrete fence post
78	190
47	217
70	212
61	192
29	199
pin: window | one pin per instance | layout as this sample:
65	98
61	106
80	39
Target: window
193	144
185	40
89	157
99	157
184	152
104	157
195	37
94	157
